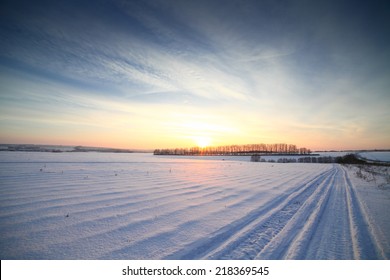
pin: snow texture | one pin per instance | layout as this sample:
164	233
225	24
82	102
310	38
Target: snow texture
140	206
376	156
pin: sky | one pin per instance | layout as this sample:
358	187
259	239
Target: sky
166	73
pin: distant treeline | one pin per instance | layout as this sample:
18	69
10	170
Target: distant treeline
58	149
304	159
347	159
248	149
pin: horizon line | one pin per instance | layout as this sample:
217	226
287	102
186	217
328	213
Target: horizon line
152	149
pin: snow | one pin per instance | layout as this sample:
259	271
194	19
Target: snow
332	154
140	206
376	156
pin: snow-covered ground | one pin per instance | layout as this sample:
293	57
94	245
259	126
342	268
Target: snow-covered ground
376	156
140	206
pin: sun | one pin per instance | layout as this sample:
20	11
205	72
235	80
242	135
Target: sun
202	141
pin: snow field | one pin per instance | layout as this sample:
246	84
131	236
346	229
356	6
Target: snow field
129	206
376	156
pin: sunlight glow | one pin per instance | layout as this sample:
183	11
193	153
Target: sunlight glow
146	84
202	141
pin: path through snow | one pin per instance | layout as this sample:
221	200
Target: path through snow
321	219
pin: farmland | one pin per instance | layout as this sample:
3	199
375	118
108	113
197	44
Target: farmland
139	206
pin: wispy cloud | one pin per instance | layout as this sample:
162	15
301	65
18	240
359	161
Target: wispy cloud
278	70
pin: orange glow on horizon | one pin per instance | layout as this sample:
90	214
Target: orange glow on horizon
202	141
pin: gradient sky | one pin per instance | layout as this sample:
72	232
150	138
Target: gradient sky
162	74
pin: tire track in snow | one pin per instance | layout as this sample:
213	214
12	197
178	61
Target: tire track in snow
295	211
330	223
321	231
293	241
365	244
223	243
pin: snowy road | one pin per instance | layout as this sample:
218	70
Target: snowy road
97	206
321	219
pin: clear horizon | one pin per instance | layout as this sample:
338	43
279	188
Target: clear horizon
188	147
166	74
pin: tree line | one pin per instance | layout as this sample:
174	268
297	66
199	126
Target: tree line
304	159
247	149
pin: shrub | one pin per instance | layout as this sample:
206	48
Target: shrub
349	159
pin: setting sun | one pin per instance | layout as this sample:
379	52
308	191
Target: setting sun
202	141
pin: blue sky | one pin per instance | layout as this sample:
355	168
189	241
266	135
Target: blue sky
155	74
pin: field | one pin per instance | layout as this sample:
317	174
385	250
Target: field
139	206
